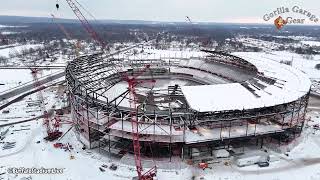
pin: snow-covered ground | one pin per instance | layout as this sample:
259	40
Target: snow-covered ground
251	42
311	43
298	61
5	52
8	26
12	78
29	107
302	162
31	150
8	32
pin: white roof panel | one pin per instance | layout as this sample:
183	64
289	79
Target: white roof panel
291	84
218	97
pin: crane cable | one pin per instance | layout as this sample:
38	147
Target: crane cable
82	7
86	10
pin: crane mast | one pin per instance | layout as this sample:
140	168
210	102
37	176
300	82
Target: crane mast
132	83
52	133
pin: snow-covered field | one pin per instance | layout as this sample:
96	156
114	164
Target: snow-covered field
5	52
251	42
8	32
29	107
12	78
311	43
8	26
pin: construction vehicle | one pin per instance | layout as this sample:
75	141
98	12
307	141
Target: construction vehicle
53	132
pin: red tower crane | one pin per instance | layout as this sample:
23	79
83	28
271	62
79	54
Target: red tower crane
53	133
132	83
85	23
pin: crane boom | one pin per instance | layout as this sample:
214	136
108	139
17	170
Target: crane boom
68	35
132	83
61	28
86	24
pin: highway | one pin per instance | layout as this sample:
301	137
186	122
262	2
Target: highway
29	86
33	67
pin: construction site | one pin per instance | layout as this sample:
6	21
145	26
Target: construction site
143	112
183	107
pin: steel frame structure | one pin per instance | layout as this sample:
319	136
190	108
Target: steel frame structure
101	122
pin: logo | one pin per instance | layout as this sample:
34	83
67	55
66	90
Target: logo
295	15
279	22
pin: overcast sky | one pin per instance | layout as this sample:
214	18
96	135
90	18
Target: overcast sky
246	11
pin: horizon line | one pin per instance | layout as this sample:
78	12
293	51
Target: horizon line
160	21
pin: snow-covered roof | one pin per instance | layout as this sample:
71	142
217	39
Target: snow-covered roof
217	97
291	84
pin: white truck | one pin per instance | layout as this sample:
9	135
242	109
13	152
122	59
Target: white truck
248	160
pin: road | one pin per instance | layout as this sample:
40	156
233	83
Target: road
33	67
27	87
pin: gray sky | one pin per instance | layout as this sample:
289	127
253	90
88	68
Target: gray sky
161	10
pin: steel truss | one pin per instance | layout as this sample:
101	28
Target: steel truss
101	122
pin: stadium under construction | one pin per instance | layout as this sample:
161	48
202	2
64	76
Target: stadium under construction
197	104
